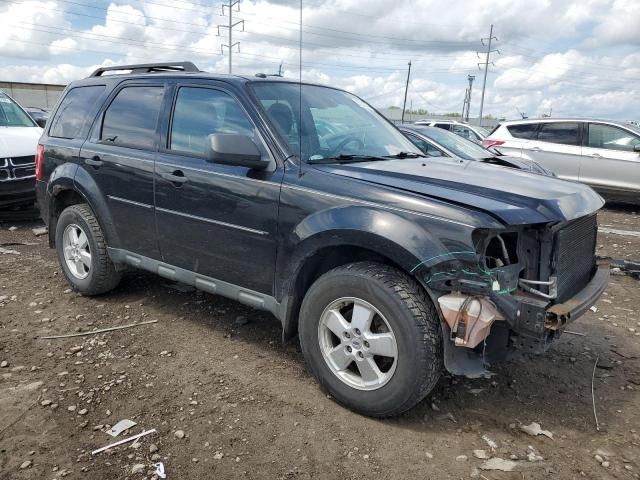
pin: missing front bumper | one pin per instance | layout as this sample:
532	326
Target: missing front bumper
561	314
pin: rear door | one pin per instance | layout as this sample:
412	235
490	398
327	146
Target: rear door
119	156
516	139
557	147
609	162
216	220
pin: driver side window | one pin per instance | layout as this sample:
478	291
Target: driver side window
424	146
611	138
199	112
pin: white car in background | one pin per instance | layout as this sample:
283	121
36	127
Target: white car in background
470	132
19	136
604	154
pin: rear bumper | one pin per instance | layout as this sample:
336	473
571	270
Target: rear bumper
15	192
44	198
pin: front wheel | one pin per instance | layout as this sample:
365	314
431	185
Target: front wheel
372	338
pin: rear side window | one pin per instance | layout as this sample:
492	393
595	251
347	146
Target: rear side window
565	133
525	131
74	116
130	120
444	126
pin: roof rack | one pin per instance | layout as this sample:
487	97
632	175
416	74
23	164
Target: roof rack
149	68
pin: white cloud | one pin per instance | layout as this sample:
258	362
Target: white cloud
572	54
23	35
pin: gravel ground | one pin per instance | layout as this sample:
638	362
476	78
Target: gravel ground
229	400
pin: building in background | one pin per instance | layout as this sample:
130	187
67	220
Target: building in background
40	95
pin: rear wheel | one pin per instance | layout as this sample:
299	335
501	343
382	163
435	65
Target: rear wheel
372	338
82	252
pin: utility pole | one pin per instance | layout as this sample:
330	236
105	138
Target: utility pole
465	111
464	103
406	89
231	26
486	66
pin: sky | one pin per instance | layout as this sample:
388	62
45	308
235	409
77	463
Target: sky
560	57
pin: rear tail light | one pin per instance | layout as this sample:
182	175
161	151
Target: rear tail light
39	161
492	143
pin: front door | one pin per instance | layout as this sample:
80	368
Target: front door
609	162
216	220
119	156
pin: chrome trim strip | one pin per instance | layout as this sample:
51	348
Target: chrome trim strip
130	202
378	205
216	222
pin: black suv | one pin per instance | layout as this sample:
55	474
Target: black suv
302	200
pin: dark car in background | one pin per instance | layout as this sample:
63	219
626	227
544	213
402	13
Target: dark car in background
302	200
471	132
40	115
436	142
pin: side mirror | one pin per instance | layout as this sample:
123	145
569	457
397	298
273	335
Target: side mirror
234	149
636	148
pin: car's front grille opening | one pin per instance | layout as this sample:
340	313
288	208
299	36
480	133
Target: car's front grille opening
25	172
4	175
575	255
20	161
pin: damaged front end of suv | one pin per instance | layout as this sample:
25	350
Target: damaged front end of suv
517	288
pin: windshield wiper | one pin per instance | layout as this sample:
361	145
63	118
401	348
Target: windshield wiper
346	158
406	155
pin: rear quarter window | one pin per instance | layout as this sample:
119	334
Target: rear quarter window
525	131
75	114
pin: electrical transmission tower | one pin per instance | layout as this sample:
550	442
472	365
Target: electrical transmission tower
230	27
467	98
486	65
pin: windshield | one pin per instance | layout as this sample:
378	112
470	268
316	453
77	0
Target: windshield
482	131
11	115
457	145
329	123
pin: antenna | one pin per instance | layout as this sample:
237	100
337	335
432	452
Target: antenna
300	101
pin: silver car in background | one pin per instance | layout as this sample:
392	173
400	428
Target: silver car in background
604	154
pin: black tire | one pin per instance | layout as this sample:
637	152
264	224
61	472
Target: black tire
102	276
412	318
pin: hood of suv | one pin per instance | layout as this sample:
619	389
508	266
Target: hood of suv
516	197
18	141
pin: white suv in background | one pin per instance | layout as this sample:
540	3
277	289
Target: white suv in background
604	154
470	132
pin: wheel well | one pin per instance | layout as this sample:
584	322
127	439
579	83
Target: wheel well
320	263
62	200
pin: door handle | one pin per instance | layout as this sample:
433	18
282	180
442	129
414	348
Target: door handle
596	155
536	149
176	177
94	161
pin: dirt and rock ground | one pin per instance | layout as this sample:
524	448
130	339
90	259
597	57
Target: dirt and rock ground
228	400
